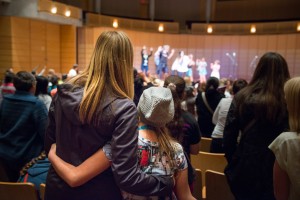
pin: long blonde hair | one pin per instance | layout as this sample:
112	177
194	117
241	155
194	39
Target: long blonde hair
292	95
110	69
166	145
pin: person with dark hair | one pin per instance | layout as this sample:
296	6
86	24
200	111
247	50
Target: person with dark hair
23	120
53	83
42	90
219	117
7	86
188	103
206	103
141	82
259	112
184	127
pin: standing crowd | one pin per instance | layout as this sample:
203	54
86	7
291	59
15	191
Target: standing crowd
112	132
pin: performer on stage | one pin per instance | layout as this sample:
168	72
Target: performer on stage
215	69
157	58
145	59
180	65
163	61
190	66
201	67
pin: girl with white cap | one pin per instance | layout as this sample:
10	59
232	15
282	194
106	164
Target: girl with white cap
158	152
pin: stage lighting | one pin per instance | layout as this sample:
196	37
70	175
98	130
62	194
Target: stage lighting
54	10
115	24
298	27
234	54
209	29
253	29
68	13
161	28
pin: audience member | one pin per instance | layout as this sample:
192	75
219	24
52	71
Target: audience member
188	104
23	120
219	118
158	153
206	103
259	112
73	72
7	86
141	82
42	90
286	148
184	127
53	83
91	109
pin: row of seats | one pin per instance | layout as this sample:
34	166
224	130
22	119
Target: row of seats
20	191
210	180
215	188
211	183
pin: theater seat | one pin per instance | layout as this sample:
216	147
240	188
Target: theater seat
17	191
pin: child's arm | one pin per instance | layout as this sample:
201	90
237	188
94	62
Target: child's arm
281	182
182	189
76	176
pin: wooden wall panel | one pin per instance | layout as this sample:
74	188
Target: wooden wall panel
53	50
296	68
240	59
5	45
37	45
281	44
68	48
290	55
27	44
85	45
252	56
21	44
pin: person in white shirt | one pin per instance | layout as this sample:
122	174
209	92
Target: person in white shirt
215	67
73	72
219	117
286	148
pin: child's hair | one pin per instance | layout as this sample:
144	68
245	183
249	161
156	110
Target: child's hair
177	86
156	109
165	144
24	170
292	96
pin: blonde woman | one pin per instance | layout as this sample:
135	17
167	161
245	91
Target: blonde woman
158	153
286	147
91	109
